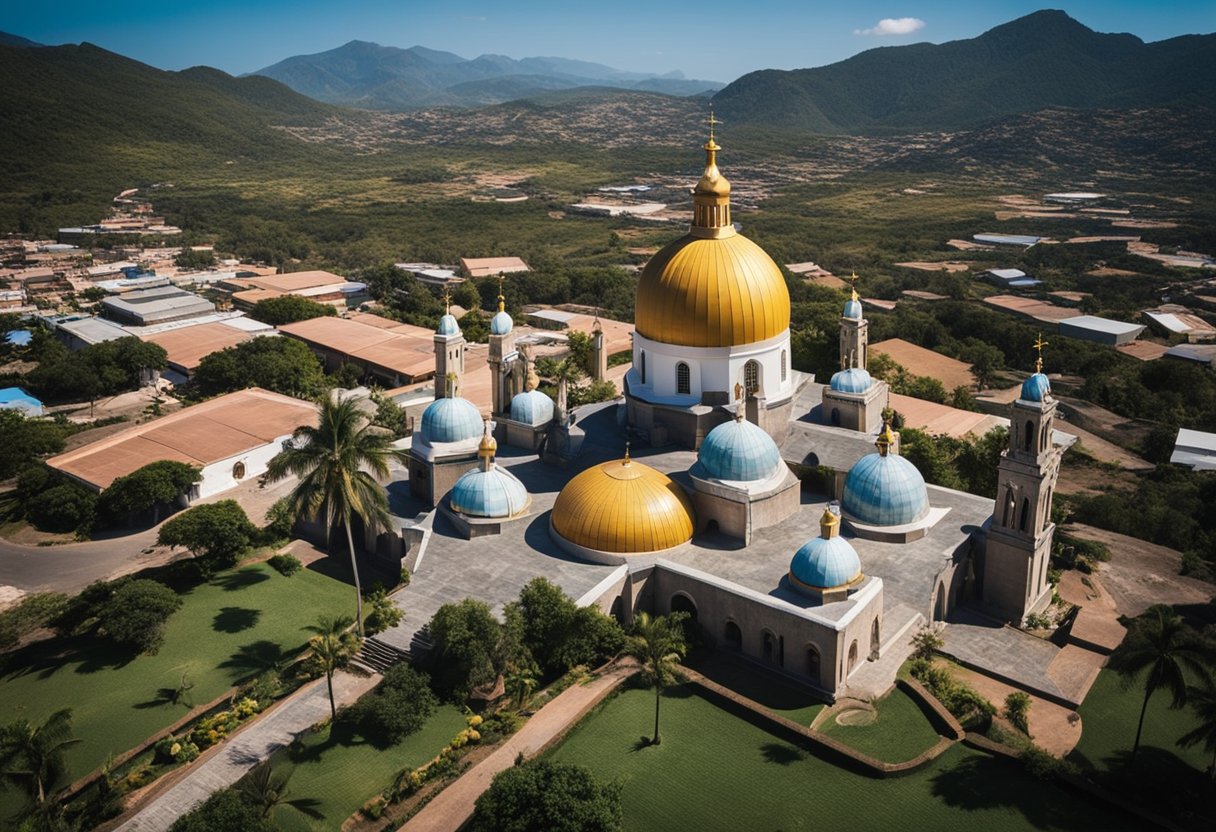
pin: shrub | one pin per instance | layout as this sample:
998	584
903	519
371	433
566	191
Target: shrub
925	643
396	708
550	796
285	565
384	613
224	811
136	613
62	508
150	487
279	522
1017	711
216	532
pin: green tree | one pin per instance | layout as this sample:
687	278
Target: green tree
283	365
218	533
395	708
1162	649
384	613
149	488
985	359
558	633
25	440
580	349
542	796
468	647
338	463
225	811
196	259
1202	699
63	507
1017	711
333	646
267	791
288	309
658	645
31	756
136	613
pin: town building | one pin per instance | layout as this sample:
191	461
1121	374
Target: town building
158	305
1195	449
1100	330
392	353
15	398
1010	278
492	266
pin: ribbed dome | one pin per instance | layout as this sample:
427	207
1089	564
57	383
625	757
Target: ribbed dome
532	407
501	323
489	493
739	451
852	309
885	490
450	420
852	380
624	507
826	563
712	292
448	325
1036	388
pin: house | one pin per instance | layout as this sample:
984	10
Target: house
492	266
1175	321
395	354
1010	278
1195	449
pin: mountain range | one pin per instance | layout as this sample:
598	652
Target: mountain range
1045	59
370	76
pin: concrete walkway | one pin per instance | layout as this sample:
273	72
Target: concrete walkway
251	746
454	805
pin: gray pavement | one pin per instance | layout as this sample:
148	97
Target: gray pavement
251	746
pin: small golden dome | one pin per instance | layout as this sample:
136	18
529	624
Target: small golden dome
712	292
623	507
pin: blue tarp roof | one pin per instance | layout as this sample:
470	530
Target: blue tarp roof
16	394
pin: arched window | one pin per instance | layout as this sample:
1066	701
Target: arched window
751	377
734	636
784	365
875	632
812	663
852	657
643	368
1025	513
683	379
767	646
1047	507
1028	437
238	471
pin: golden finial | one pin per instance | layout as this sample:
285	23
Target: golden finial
447	300
712	123
853	278
532	381
1039	343
739	411
502	301
885	439
627	460
829	523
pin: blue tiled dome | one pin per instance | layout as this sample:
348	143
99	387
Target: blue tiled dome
501	323
489	493
448	325
1036	388
532	407
885	490
826	563
852	380
450	420
739	451
852	309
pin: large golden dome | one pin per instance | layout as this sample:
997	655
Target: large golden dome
624	507
712	287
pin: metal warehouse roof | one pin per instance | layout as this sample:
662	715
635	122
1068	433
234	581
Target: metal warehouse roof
1093	322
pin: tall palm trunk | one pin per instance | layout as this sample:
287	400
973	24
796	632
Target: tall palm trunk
1140	727
658	695
329	681
354	568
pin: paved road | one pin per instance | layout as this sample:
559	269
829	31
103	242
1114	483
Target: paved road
251	746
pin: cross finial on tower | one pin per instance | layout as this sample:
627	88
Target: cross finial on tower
1039	343
502	301
447	300
627	460
853	278
712	122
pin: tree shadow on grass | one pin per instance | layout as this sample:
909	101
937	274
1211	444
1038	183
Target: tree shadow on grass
256	657
84	654
977	783
240	579
341	733
1161	781
235	619
781	754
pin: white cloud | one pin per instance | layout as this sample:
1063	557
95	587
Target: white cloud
893	26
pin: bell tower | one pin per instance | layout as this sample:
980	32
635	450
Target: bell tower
854	333
1018	547
449	348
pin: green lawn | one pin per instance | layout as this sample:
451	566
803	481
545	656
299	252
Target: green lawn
344	771
715	771
1108	726
768	689
899	732
237	624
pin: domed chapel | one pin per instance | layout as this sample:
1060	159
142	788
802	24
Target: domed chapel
774	509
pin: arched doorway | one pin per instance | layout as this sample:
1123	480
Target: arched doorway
874	640
618	610
682	603
852	658
835	419
939	604
812	664
733	635
751	377
768	646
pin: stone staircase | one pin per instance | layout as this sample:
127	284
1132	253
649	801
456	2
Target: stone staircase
376	656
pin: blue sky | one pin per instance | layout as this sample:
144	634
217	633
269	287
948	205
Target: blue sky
709	39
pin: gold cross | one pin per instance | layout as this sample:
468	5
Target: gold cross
447	299
853	278
712	122
1039	343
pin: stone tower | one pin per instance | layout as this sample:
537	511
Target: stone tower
1018	549
502	355
449	349
599	353
854	334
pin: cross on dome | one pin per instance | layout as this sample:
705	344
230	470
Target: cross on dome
1039	343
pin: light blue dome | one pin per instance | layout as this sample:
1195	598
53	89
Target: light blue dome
1036	388
492	493
852	380
450	420
739	451
501	323
532	407
448	325
885	491
852	309
826	563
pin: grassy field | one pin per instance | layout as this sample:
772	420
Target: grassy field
343	770
899	731
771	691
237	624
714	771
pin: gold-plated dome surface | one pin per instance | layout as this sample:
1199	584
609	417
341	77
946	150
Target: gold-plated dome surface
623	507
712	292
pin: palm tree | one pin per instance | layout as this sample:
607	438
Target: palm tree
32	756
332	646
1161	643
338	463
1202	699
262	787
658	643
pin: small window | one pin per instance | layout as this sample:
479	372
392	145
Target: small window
683	379
751	377
784	364
643	368
238	471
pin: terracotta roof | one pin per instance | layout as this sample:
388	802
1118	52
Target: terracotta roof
939	419
200	435
922	362
400	349
1143	350
187	346
1037	309
490	266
